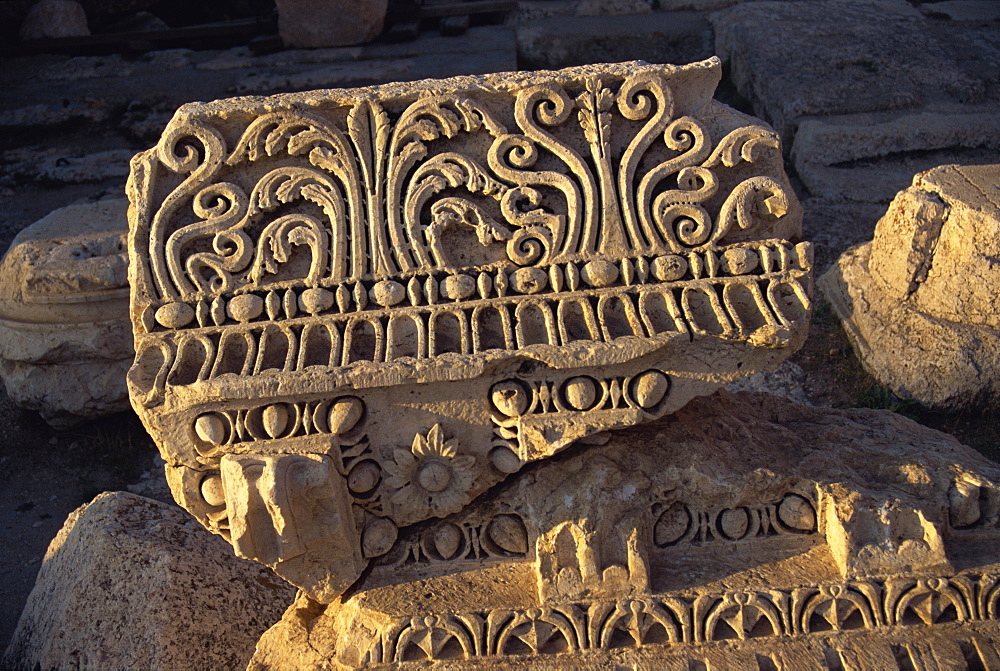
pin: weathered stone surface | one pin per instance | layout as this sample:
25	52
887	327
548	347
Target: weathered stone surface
787	380
978	11
742	530
677	37
919	301
614	7
133	583
355	310
62	167
871	91
870	157
306	24
65	342
54	18
795	59
696	5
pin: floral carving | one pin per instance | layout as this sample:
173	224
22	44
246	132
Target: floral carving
370	196
430	478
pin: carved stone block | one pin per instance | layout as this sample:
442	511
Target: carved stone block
421	288
65	341
744	531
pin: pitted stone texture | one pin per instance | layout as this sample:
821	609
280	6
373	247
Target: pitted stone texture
307	24
872	92
743	528
53	19
919	300
870	157
65	344
560	41
613	7
788	381
355	310
133	583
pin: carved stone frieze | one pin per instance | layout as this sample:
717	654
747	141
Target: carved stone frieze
427	286
682	624
741	532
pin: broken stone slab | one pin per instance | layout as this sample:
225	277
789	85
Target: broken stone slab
133	583
355	310
49	166
65	342
870	157
55	114
871	92
742	528
614	8
832	57
676	37
919	302
696	5
307	24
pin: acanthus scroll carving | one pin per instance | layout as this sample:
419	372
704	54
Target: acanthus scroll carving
357	285
371	197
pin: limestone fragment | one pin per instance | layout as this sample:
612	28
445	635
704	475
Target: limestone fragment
65	345
902	94
307	24
133	583
744	531
54	19
919	301
355	310
559	41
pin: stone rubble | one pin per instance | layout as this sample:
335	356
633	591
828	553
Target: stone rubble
133	583
919	301
64	331
871	92
54	18
560	41
308	24
884	578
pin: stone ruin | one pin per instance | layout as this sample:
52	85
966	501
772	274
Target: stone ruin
433	353
358	310
919	301
65	336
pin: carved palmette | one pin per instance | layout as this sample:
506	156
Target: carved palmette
428	286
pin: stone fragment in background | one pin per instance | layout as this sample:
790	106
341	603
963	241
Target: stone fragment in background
131	583
65	342
920	301
613	7
308	24
54	18
389	299
742	530
657	37
903	94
